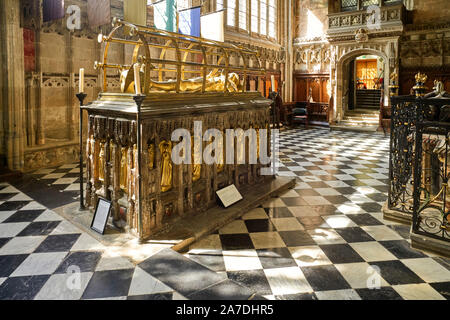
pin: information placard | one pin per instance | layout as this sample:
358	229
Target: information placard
101	215
229	195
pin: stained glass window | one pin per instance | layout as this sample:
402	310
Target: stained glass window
243	14
219	5
254	13
272	18
263	17
257	16
231	12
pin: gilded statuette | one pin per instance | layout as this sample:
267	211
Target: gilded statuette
166	165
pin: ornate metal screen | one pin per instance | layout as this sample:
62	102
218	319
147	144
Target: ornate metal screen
348	5
403	119
366	3
431	171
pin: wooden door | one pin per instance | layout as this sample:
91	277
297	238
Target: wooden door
366	73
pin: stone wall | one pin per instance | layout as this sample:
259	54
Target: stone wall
50	101
431	11
311	19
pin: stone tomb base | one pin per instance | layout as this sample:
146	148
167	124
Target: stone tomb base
184	231
395	215
422	242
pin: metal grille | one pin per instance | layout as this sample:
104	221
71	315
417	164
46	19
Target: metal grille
419	167
348	5
431	172
366	3
404	115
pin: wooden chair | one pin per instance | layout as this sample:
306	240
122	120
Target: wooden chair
300	113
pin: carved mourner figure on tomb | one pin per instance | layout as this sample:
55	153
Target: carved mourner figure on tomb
166	165
123	169
220	154
151	155
101	162
196	167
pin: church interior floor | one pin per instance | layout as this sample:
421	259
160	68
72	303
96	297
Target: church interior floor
324	239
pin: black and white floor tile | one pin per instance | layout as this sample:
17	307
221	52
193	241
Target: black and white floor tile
43	256
326	238
63	178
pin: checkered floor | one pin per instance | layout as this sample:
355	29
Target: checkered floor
63	178
326	239
40	253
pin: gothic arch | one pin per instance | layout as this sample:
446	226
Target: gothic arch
341	75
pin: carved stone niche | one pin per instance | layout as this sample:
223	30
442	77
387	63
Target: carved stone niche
164	191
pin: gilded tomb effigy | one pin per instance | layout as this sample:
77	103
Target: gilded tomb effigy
193	80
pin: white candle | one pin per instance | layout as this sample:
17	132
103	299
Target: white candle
81	80
272	79
137	79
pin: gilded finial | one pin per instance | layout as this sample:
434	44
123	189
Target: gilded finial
421	78
420	88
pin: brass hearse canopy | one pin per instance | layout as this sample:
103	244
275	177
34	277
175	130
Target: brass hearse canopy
185	63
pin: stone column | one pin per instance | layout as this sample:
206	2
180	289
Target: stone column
12	96
40	136
72	110
288	37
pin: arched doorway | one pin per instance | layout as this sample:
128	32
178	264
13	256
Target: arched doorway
348	82
365	82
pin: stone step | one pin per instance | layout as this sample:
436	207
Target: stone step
360	120
358	123
359	95
363	110
371	129
361	115
370	106
367	102
368	92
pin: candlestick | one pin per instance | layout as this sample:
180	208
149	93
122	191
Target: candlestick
81	80
137	79
81	96
272	79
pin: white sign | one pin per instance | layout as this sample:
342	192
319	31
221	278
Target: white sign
229	195
101	215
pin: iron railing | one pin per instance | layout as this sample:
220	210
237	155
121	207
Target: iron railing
418	169
431	170
403	120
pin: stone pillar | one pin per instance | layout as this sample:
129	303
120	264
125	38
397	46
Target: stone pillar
40	136
12	96
288	39
71	111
